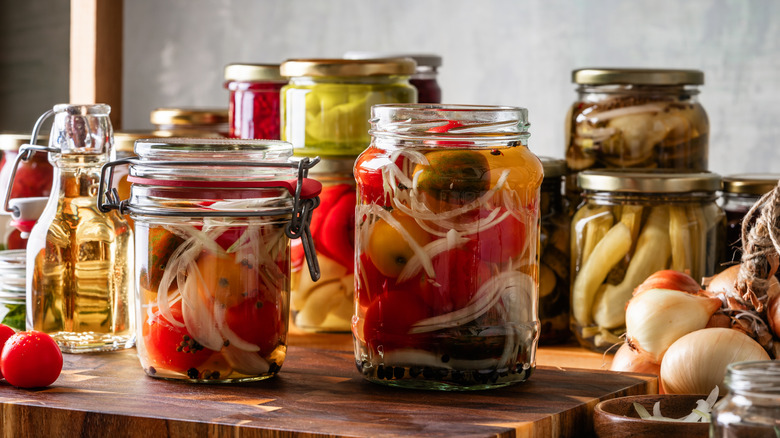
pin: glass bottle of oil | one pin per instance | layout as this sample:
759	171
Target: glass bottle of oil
79	270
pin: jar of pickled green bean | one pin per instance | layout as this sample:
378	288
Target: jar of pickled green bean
327	103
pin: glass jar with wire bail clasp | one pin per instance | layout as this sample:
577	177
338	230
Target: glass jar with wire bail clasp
446	248
213	223
631	224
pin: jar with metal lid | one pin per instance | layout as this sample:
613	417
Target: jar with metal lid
554	260
254	100
12	288
739	194
446	248
636	118
424	79
752	406
190	122
631	224
79	284
327	305
213	223
326	105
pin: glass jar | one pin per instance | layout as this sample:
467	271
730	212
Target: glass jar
33	177
752	406
12	288
446	248
79	286
554	260
424	78
630	225
636	118
213	222
328	304
326	105
254	100
739	194
190	122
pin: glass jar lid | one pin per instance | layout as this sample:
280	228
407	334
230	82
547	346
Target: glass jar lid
12	141
348	67
553	167
253	73
655	181
750	183
637	76
189	116
422	59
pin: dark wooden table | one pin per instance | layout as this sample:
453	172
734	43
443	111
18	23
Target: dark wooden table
318	393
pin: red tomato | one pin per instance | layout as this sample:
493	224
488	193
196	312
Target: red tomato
389	318
370	282
336	236
503	241
172	347
258	321
31	360
5	333
459	275
368	174
446	127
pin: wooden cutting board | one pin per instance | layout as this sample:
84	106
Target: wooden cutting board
318	393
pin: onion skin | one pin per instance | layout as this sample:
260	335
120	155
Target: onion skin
669	279
697	362
656	318
628	360
773	314
725	283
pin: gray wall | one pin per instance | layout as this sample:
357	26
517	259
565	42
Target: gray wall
506	52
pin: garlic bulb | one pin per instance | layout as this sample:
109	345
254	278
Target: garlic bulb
656	318
697	362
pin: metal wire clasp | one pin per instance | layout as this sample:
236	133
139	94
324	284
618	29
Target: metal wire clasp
25	153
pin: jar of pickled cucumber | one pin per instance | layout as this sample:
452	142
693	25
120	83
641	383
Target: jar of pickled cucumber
254	100
213	223
327	305
739	194
446	248
190	122
326	105
554	261
631	224
424	79
636	118
13	265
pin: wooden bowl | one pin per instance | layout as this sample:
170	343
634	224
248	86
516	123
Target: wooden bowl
617	417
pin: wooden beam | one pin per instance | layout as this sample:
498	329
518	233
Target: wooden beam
96	54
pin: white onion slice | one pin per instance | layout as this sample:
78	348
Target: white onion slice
197	312
432	249
245	362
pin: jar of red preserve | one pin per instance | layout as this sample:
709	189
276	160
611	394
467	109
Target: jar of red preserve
254	100
447	247
327	305
213	224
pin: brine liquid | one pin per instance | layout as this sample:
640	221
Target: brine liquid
79	288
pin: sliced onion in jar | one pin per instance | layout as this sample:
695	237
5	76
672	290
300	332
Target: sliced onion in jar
414	265
245	362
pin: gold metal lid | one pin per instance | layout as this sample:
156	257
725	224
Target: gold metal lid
348	67
12	141
553	167
637	76
253	73
655	181
189	116
333	166
750	183
124	141
422	59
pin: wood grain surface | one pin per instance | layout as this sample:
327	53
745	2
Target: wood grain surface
317	393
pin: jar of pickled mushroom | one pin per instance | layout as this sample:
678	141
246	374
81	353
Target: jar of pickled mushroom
326	105
13	265
254	100
739	194
446	248
751	408
327	305
631	224
213	223
636	118
424	79
190	122
554	261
